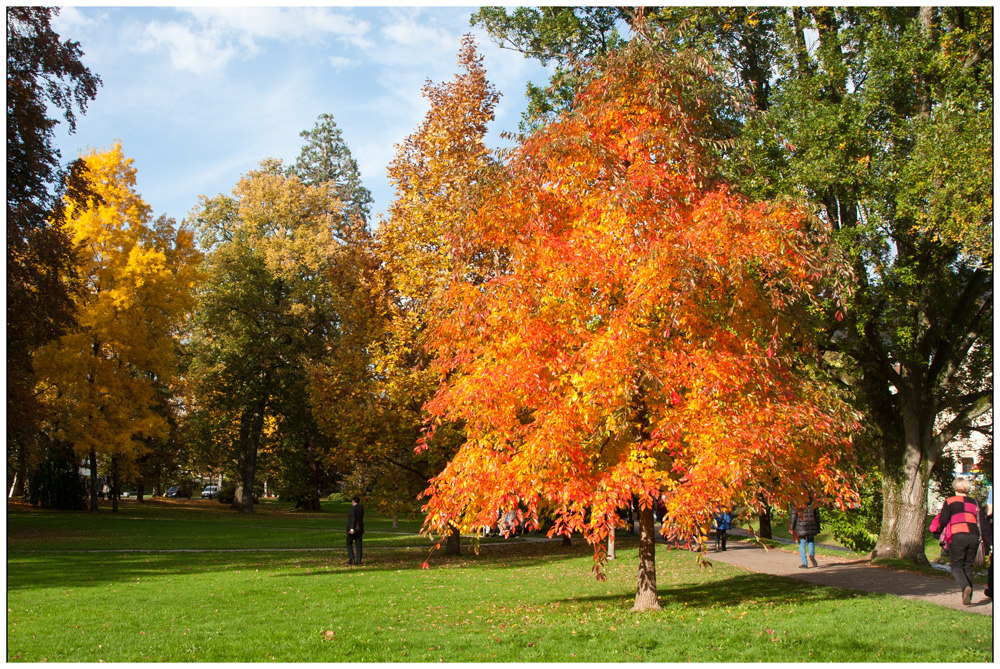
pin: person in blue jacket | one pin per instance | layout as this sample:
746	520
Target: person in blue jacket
723	521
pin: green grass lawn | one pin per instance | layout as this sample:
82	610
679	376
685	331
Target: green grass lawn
513	602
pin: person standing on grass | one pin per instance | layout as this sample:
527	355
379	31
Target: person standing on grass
355	528
803	524
960	514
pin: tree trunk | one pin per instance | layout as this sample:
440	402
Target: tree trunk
251	425
764	531
238	498
611	545
115	490
645	593
93	481
904	490
139	492
453	546
311	502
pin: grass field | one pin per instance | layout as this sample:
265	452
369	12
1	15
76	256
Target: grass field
249	598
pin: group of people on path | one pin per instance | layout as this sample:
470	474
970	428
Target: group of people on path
803	525
964	528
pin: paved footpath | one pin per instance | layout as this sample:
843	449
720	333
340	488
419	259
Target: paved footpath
852	575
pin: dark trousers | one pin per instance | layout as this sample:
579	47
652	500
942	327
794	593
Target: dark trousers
963	555
720	540
351	540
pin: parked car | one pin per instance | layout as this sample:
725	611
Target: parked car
182	490
210	491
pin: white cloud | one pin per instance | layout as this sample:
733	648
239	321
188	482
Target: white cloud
342	63
71	20
201	52
410	33
207	39
249	24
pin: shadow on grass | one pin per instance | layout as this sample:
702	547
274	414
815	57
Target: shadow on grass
740	589
38	570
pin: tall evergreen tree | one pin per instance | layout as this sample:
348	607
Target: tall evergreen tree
326	158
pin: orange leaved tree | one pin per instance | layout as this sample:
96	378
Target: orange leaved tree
645	337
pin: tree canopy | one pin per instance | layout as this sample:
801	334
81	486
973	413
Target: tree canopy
641	338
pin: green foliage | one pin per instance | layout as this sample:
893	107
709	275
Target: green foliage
567	36
858	528
326	158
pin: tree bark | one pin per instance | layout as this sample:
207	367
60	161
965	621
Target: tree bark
453	546
904	486
115	490
93	481
764	531
645	593
251	425
611	545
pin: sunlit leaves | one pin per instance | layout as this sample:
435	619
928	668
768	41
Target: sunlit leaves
99	380
637	341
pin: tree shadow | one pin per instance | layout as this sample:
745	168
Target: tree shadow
740	589
39	570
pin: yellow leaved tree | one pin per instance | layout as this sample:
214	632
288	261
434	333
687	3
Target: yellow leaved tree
101	382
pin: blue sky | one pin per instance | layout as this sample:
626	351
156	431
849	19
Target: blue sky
199	96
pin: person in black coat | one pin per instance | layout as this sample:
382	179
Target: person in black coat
804	525
355	528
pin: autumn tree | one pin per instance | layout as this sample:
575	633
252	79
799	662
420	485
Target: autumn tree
885	126
646	335
100	381
436	173
265	310
45	75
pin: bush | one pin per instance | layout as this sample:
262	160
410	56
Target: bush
226	494
858	528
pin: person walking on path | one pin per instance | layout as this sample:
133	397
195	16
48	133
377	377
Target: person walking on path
355	529
804	525
960	514
723	520
987	533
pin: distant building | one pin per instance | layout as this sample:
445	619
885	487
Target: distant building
966	452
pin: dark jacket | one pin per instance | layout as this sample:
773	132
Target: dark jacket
804	521
356	519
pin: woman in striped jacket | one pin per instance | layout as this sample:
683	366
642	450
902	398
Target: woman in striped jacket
960	514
